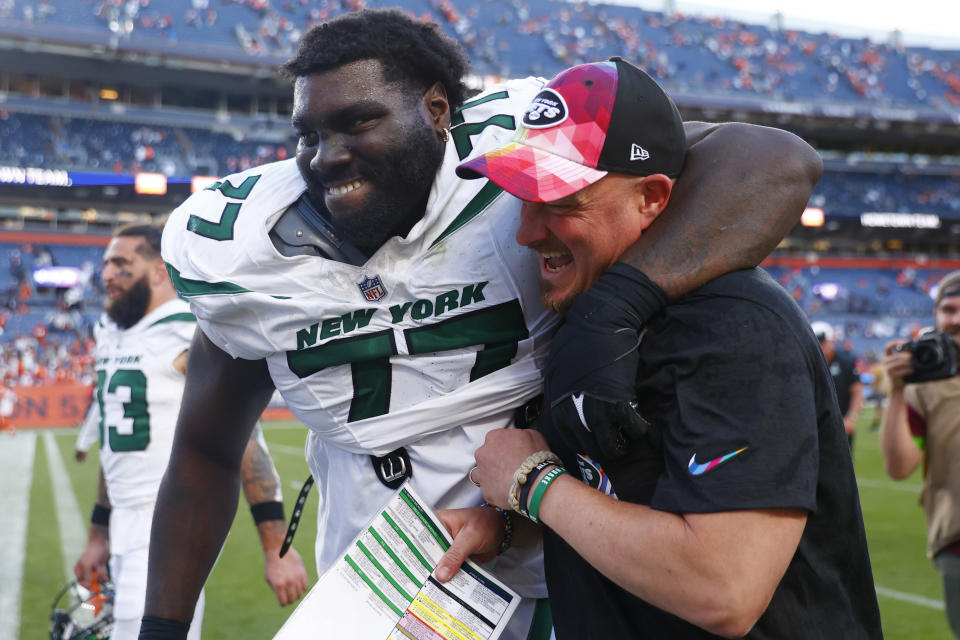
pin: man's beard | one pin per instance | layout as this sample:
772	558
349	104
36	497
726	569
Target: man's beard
128	308
401	182
552	302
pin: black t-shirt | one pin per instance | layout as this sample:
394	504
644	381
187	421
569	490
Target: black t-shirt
731	372
843	369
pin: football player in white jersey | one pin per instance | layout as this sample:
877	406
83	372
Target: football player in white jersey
388	301
141	346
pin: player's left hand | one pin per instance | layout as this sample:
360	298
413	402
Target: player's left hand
286	576
477	533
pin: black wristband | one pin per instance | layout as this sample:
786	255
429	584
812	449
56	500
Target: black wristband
524	496
265	511
156	628
100	515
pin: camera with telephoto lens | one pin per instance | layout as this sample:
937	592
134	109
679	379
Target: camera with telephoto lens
934	356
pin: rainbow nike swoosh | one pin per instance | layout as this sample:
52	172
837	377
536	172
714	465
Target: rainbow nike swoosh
698	469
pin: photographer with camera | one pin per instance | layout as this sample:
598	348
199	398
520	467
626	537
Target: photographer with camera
922	424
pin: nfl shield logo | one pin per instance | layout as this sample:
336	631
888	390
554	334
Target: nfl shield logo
372	289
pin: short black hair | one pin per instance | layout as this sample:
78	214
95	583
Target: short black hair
150	233
410	50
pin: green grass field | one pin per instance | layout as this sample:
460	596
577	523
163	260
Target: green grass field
240	605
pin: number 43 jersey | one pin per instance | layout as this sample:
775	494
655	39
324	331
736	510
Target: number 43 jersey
138	395
428	345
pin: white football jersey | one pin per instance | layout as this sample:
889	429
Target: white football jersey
138	395
428	345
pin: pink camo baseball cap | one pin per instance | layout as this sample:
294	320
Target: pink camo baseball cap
589	120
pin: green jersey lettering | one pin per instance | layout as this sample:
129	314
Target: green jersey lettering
462	131
397	312
497	330
223	230
131	387
472	293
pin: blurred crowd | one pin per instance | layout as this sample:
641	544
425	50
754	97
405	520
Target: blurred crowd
521	37
31	140
865	306
46	332
31	361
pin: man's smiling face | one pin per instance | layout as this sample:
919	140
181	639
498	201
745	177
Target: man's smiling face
367	149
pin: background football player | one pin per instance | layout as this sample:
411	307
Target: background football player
141	346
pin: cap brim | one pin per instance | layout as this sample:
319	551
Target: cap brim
530	173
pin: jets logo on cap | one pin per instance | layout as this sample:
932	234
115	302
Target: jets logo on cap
547	109
638	153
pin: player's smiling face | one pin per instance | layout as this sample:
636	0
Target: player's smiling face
367	148
581	236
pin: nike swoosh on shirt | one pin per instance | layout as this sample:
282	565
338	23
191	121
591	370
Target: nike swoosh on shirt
698	469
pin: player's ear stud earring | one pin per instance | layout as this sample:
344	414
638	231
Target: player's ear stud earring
444	135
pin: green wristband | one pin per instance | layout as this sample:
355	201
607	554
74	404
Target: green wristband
533	511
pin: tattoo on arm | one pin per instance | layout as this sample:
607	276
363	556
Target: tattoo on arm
259	477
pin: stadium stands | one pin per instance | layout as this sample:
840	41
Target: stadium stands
520	37
868	306
60	142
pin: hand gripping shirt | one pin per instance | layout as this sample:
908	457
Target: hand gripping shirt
431	343
137	398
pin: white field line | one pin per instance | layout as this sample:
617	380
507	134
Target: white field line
16	477
911	598
73	533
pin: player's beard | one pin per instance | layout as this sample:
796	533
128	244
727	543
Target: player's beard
401	181
128	308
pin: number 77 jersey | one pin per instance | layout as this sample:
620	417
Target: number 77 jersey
435	330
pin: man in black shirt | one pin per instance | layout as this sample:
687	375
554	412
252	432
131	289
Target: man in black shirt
730	507
846	381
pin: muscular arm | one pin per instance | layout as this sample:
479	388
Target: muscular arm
261	483
222	400
672	560
743	187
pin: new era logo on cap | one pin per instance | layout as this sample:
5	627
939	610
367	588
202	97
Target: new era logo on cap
581	126
639	153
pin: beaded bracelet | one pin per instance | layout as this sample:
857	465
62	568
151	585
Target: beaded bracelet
533	512
520	475
507	528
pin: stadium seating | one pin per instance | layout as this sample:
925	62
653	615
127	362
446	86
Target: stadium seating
520	37
85	144
867	306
